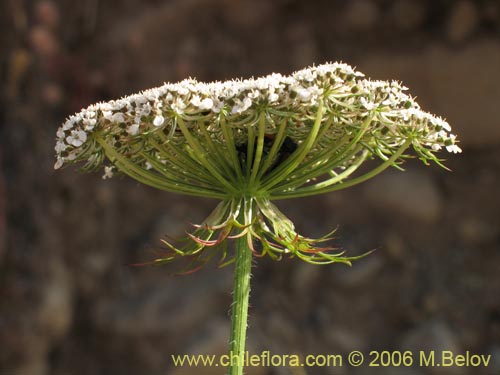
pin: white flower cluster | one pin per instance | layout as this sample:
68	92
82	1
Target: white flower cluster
345	94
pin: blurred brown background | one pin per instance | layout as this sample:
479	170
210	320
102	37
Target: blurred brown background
71	304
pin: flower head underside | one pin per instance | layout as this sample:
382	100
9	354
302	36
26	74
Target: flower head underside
247	142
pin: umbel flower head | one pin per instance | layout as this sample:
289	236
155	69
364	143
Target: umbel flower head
248	142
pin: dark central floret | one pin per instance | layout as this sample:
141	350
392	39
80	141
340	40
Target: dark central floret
286	149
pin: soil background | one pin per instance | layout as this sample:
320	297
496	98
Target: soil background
70	303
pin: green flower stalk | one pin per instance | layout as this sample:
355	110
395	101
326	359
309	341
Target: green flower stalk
249	142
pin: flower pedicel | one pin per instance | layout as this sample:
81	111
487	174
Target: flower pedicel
248	142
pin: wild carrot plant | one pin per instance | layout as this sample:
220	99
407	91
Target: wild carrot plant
247	143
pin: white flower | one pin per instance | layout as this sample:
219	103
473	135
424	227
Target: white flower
306	75
368	105
89	123
59	163
347	98
443	124
412	112
204	104
242	105
183	90
454	148
117	117
145	110
133	129
324	69
139	99
77	138
108	172
195	100
60	147
451	146
218	106
68	124
309	94
272	97
304	94
158	120
89	112
178	106
253	94
315	91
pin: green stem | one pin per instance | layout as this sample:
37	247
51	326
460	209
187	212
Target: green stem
241	294
202	156
227	132
314	189
289	165
260	147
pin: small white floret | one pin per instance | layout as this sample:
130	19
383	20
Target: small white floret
133	129
59	163
158	120
77	138
108	172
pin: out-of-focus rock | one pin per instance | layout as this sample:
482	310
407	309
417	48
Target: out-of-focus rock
18	64
246	14
361	15
495	358
395	246
343	339
31	366
281	328
37	315
364	271
55	311
3	213
47	13
475	71
176	222
52	94
24	348
143	311
212	340
434	336
476	230
43	41
401	371
462	21
457	84
412	194
408	14
491	12
304	277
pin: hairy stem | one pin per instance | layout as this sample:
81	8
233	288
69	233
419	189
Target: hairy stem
241	294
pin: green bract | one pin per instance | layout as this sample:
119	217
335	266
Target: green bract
247	142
